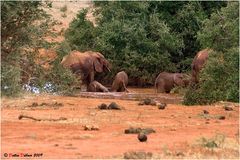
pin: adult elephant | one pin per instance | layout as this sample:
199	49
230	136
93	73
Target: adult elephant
120	82
198	63
167	81
86	64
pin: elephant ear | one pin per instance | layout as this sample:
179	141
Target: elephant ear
178	79
98	65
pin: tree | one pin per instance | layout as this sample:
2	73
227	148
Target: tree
219	80
131	37
24	28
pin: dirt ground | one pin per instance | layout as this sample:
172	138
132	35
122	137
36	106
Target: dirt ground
181	131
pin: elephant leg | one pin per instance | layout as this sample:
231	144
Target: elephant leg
125	88
161	87
90	77
194	76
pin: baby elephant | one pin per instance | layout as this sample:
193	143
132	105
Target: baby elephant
167	81
120	82
95	86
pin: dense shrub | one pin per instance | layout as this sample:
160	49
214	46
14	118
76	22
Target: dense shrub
219	80
131	37
24	28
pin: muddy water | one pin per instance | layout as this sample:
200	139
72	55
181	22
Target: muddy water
135	94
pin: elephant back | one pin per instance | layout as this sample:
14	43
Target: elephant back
73	57
200	59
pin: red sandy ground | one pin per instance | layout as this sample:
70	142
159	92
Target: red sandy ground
177	128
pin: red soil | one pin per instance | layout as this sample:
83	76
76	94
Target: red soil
177	127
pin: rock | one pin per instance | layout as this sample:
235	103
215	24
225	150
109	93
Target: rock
103	106
90	128
137	155
56	104
132	130
180	154
43	104
153	103
162	106
142	137
147	101
34	104
114	105
205	112
221	117
141	103
228	108
148	130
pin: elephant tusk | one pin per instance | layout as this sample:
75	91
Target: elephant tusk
108	69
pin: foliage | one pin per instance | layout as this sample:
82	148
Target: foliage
10	76
64	81
143	38
186	19
24	28
81	33
219	79
214	142
24	24
131	37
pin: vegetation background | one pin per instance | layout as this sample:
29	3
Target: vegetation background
142	38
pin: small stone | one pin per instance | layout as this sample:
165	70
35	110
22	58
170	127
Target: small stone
153	103
34	104
114	105
180	154
147	101
207	122
43	104
148	130
142	137
102	106
162	106
221	117
141	103
205	112
90	128
228	108
132	130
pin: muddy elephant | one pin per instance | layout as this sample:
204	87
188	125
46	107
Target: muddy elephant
198	63
95	86
120	82
167	81
87	64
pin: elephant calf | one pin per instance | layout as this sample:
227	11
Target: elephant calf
120	82
95	86
167	81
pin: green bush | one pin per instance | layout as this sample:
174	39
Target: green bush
130	37
21	38
10	79
219	79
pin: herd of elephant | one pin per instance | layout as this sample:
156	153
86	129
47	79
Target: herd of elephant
88	63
